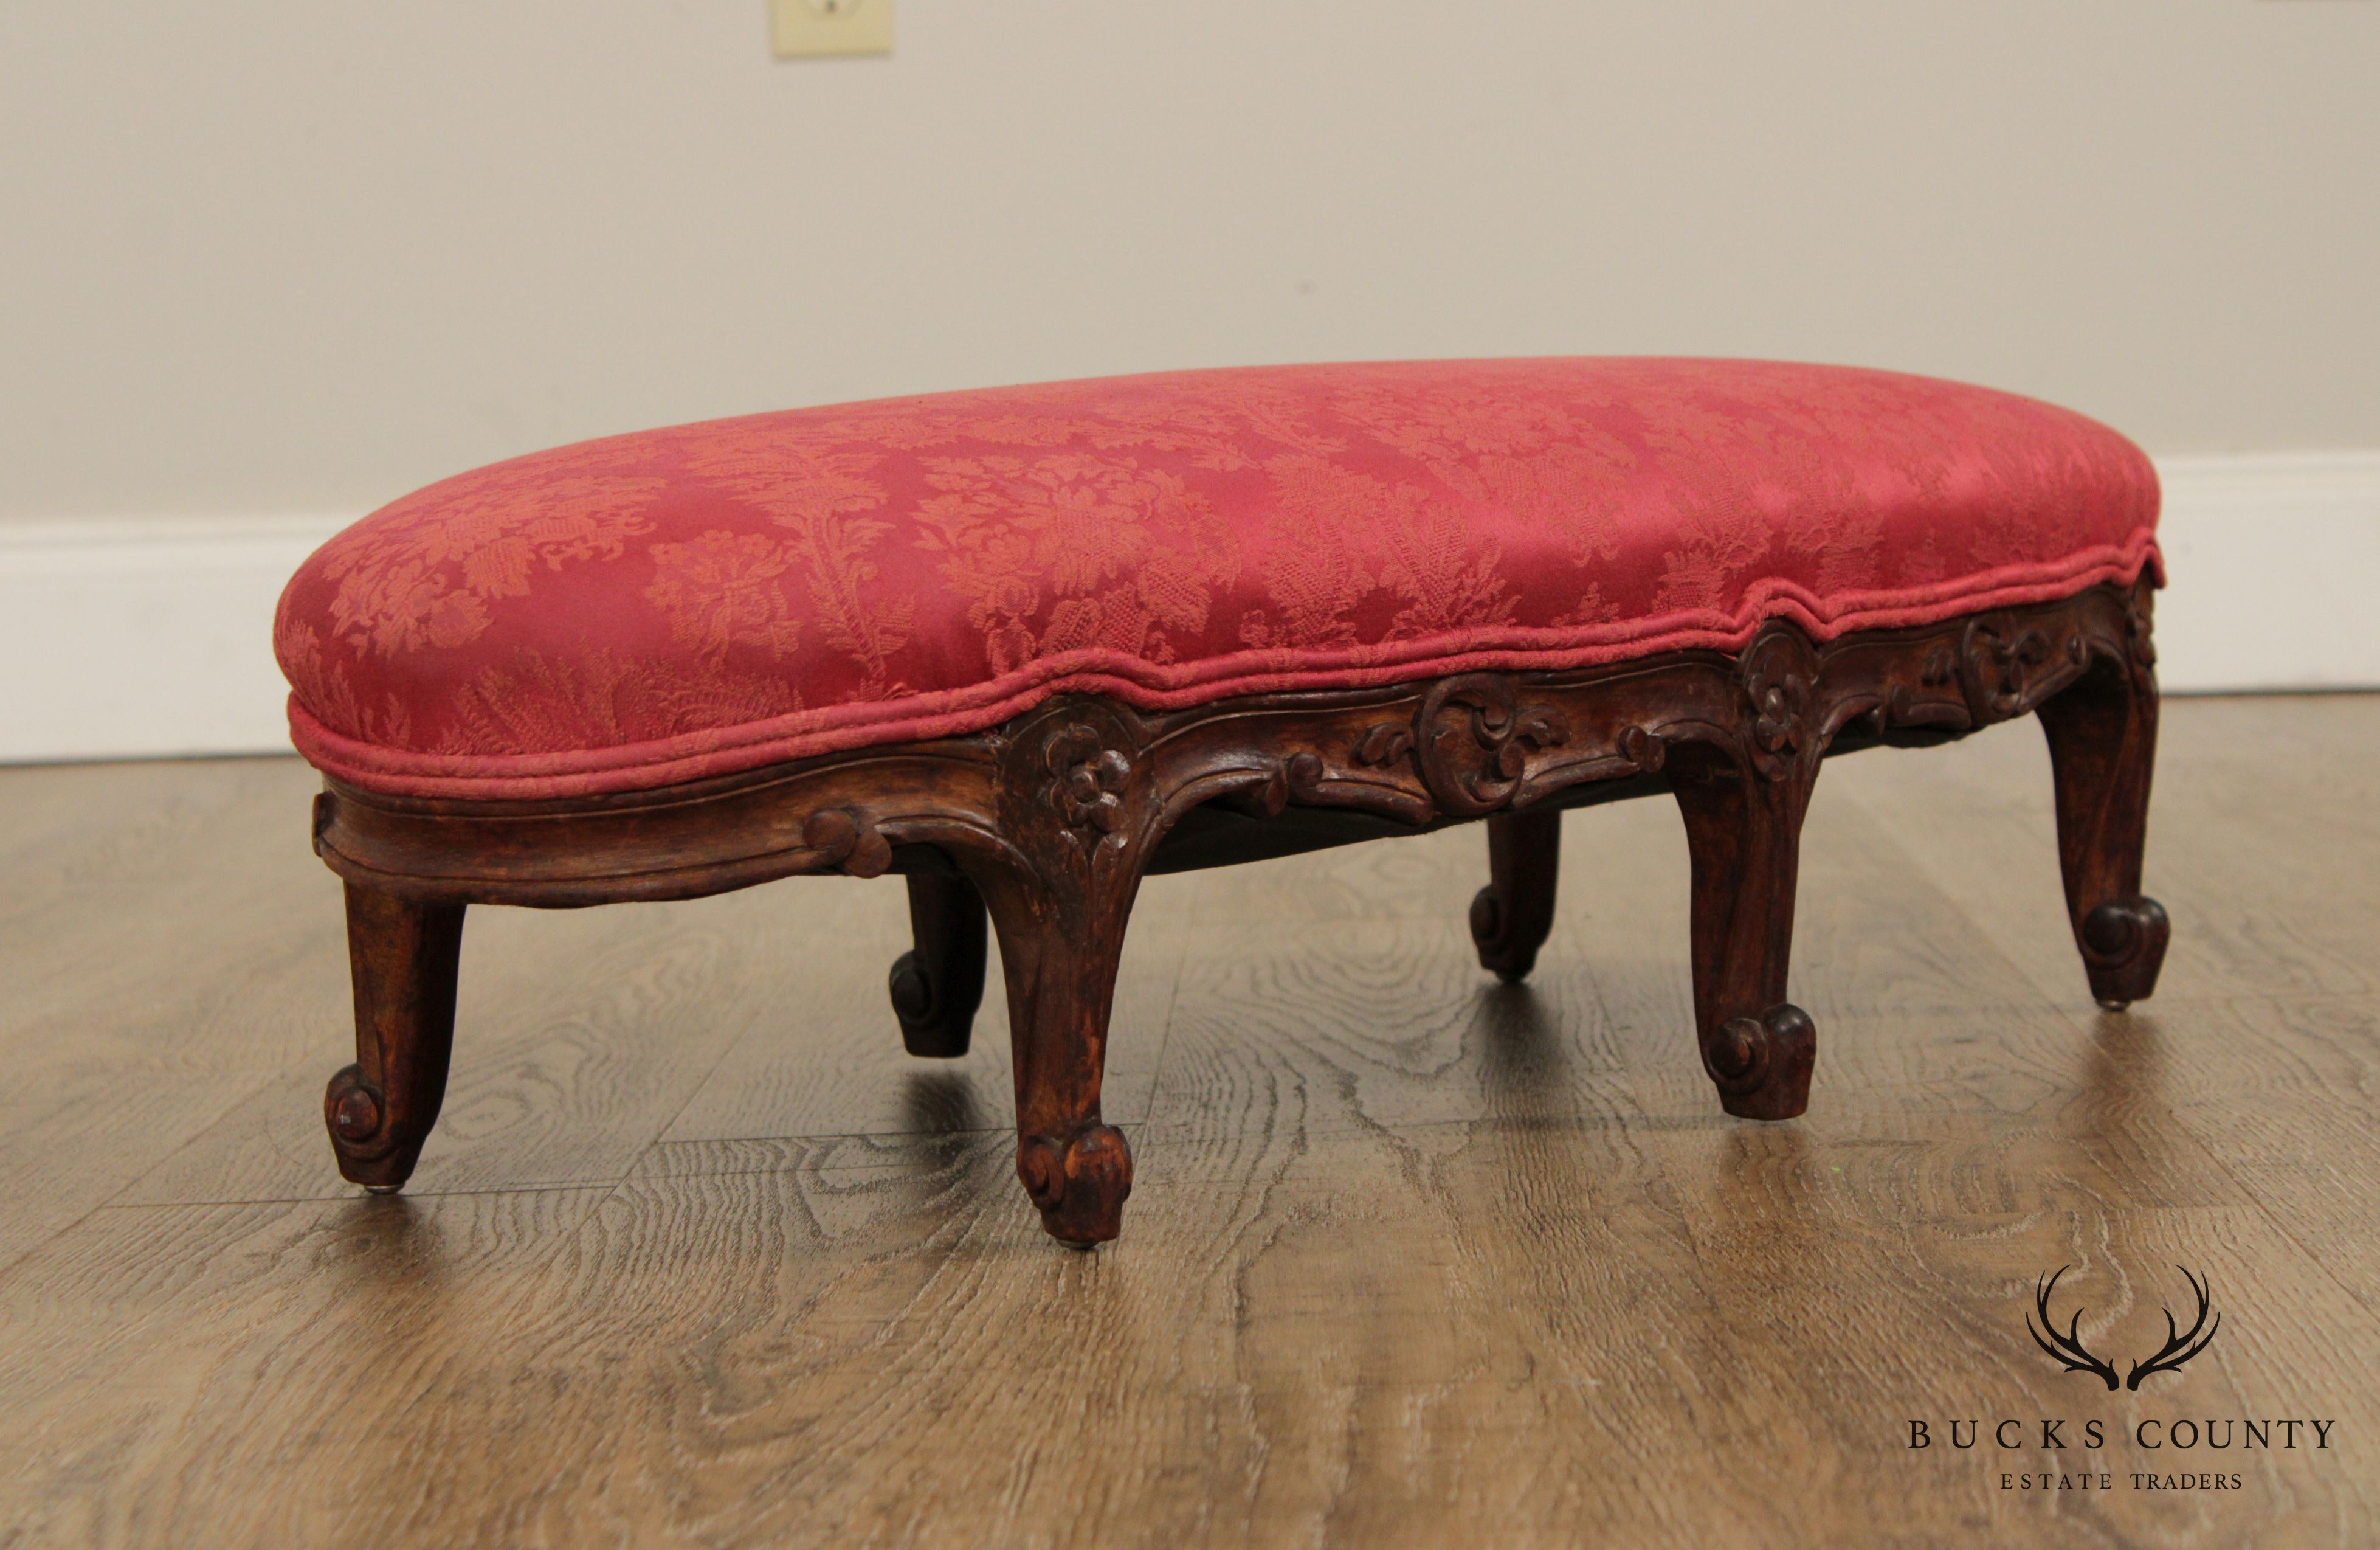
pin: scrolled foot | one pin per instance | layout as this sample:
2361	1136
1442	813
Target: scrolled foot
1511	917
2123	947
1761	1065
371	1151
928	1028
1507	959
1079	1184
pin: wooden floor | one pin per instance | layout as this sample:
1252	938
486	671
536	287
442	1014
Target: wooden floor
698	1257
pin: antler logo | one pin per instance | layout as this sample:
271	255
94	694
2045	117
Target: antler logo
2068	1349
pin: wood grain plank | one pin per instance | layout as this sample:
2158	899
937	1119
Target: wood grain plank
2284	1093
257	1368
1386	1336
166	955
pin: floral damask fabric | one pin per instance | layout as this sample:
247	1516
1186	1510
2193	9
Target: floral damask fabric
661	607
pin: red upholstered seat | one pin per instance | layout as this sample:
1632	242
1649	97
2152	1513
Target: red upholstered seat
660	607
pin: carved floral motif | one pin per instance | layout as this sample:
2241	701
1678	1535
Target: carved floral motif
1088	780
1779	673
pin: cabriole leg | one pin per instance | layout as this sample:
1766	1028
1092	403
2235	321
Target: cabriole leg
402	956
1078	815
1058	952
1513	915
2102	734
937	985
1743	830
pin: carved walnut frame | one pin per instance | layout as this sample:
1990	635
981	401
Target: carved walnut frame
1052	820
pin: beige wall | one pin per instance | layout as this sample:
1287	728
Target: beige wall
303	254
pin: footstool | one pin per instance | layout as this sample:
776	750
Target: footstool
1026	646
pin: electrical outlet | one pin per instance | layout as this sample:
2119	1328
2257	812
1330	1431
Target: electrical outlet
803	28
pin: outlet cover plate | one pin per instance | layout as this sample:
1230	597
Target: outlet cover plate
804	29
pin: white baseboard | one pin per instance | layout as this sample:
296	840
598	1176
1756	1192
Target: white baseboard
143	638
2274	560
